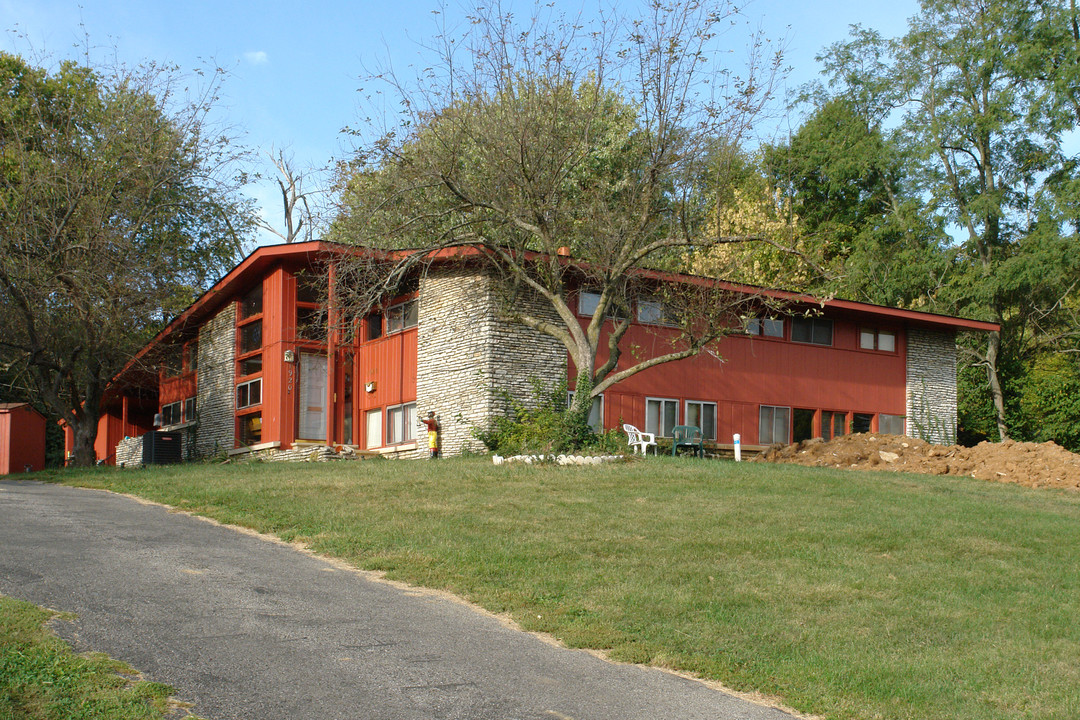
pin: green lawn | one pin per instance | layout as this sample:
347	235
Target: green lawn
850	595
41	678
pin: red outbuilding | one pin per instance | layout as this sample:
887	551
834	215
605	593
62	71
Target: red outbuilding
22	439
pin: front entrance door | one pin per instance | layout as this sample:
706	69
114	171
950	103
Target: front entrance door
312	397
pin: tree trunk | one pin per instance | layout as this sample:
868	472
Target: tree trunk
993	349
84	432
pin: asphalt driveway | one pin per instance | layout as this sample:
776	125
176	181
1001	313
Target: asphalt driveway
246	628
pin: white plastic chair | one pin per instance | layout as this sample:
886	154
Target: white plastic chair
638	440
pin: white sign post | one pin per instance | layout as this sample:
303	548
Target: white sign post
738	448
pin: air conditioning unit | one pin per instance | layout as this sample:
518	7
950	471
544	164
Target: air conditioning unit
161	448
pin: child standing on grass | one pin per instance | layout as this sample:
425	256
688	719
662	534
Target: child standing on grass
432	425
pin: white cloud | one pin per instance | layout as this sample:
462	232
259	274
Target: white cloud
257	57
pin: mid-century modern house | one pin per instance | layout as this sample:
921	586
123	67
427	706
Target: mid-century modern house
250	367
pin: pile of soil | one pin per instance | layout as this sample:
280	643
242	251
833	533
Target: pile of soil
1040	465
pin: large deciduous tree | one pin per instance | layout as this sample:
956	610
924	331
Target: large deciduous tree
118	205
983	92
531	137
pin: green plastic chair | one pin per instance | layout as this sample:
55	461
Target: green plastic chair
687	436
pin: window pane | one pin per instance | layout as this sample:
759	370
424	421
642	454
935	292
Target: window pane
650	311
394	319
708	421
753	326
773	328
408	432
801	330
822	332
860	422
652	417
255	393
838	424
693	414
251	337
886	341
310	324
866	339
671	411
373	428
252	303
374	326
251	429
189	410
251	365
309	288
892	424
411	313
596	414
587	303
780	425
765	423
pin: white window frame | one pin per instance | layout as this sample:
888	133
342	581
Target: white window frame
886	419
398	316
772	430
702	404
248	385
405	416
174	409
874	335
658	429
596	411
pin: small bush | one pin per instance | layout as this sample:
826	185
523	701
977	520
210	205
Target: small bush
545	425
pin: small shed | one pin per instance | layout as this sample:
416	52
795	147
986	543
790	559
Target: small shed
22	438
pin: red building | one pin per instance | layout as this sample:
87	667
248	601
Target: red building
251	366
22	439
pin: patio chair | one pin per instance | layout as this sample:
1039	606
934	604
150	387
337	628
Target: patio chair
638	440
687	436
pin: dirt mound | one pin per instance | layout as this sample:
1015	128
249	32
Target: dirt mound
1042	465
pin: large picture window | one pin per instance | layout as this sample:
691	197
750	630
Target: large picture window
702	415
773	424
401	424
661	416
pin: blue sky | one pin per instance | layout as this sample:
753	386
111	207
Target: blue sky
295	72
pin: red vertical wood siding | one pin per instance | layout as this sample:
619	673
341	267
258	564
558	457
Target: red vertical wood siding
746	372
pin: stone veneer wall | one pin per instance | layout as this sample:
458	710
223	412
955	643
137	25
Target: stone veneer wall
931	385
466	354
216	376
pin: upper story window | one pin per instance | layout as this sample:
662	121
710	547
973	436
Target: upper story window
589	301
310	311
654	312
402	316
251	304
251	337
816	331
373	324
874	339
765	327
173	362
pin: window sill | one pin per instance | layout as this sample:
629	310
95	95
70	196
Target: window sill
253	448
